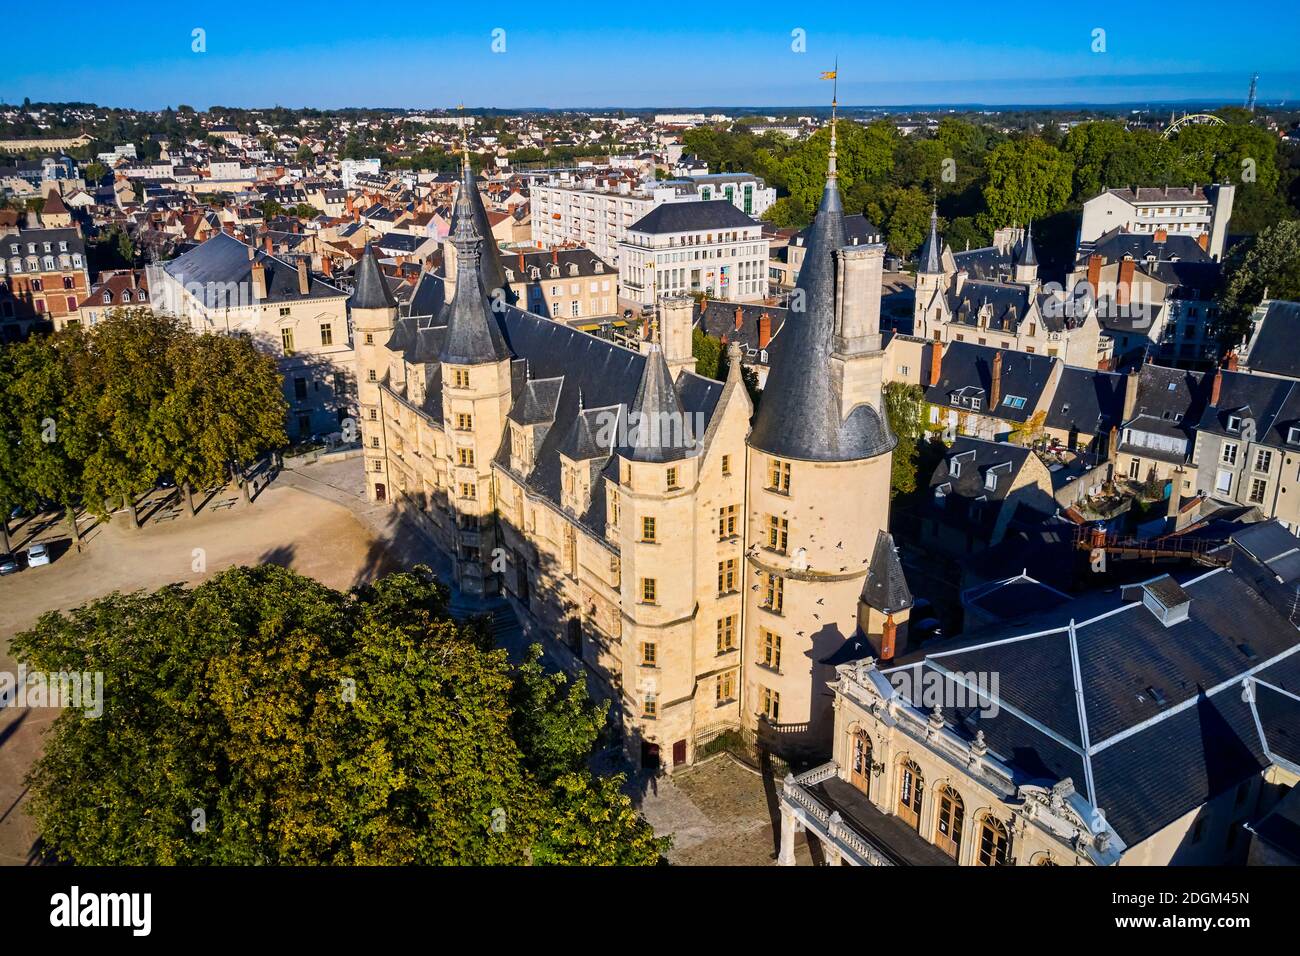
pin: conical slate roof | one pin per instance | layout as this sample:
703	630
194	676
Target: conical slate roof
1027	255
371	289
490	267
930	252
799	414
658	428
886	588
473	337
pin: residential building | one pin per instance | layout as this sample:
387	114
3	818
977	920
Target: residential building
43	278
1200	212
563	284
706	246
122	289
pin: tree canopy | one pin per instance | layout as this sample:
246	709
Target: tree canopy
263	718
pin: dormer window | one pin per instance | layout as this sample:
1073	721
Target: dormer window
1234	423
954	468
991	480
1293	435
108	297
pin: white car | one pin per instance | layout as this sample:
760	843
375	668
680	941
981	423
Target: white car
37	555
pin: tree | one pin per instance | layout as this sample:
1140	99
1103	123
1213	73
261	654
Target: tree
709	354
1270	262
1026	180
262	717
903	403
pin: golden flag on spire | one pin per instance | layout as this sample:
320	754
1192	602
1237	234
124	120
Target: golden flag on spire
830	74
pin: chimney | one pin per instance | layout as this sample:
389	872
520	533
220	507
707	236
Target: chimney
1113	445
857	299
995	394
888	637
1130	394
961	279
259	281
304	282
268	244
764	330
523	268
676	320
1094	275
936	361
1124	288
555	256
1203	240
1162	235
1230	361
1216	387
327	267
252	251
740	318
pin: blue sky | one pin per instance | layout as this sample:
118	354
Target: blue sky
326	54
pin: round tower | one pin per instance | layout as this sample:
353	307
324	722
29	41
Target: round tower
373	313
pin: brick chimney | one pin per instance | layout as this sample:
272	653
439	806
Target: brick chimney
936	362
523	267
259	281
1131	381
327	267
1203	240
304	281
1094	274
740	318
268	244
1124	288
764	330
995	393
1112	446
1230	361
1162	235
1216	386
555	256
888	637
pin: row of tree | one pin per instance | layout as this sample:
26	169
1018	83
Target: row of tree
94	418
985	178
263	718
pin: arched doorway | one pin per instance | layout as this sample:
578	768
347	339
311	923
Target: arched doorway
860	744
952	819
381	493
911	787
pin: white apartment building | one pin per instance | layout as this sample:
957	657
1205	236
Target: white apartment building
683	247
1199	212
587	212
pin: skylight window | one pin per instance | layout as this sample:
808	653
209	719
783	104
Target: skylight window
1016	401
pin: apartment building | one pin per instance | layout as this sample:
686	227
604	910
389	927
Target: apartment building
1200	212
43	278
706	246
563	284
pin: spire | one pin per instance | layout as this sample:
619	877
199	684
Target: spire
489	261
370	289
930	257
831	174
1027	256
472	334
799	416
659	431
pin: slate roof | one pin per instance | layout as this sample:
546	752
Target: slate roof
1116	244
799	415
370	289
930	259
1154	724
472	334
223	259
1087	401
1276	345
1272	403
885	587
718	319
692	216
858	230
966	365
490	260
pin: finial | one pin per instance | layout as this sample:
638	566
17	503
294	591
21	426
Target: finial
831	172
581	406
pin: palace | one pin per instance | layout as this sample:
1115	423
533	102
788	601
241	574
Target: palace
704	571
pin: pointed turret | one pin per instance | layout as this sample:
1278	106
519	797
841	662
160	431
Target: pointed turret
799	416
371	289
1027	260
473	337
658	429
930	262
489	266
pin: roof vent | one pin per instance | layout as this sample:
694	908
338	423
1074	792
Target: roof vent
1165	598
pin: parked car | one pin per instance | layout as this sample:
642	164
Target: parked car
37	555
9	564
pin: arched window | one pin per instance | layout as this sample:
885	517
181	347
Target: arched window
952	818
994	843
108	297
911	787
860	759
67	282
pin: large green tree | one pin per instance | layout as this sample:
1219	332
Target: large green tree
1026	180
1269	263
263	718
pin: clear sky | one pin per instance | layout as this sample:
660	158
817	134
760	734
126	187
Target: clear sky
394	53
